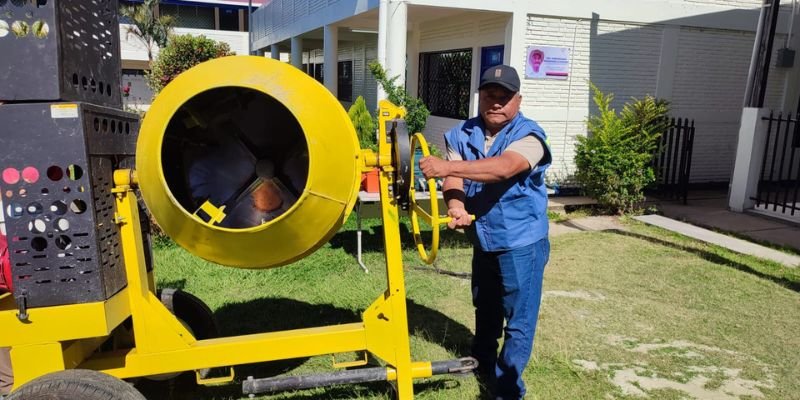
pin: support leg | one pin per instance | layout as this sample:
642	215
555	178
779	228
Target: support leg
32	361
358	236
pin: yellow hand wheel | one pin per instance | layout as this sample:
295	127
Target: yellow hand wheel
433	219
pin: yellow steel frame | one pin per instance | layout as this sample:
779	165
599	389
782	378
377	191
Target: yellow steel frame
63	337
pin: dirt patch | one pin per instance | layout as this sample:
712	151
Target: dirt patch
732	387
699	382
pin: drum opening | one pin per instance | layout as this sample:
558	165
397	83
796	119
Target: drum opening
235	157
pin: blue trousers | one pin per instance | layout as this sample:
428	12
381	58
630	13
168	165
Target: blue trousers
507	287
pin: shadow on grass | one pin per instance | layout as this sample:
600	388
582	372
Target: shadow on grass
352	391
714	258
280	314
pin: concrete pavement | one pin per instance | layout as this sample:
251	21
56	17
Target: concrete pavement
728	242
709	209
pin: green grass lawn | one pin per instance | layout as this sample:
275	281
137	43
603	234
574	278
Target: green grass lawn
626	314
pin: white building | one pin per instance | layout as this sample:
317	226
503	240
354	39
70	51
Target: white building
695	53
221	20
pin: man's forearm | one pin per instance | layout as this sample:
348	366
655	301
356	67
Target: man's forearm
489	170
453	189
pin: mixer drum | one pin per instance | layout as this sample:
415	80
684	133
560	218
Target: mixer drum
248	162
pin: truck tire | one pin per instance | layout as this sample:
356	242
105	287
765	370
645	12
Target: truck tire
76	384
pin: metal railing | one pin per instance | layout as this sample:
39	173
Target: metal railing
673	159
779	181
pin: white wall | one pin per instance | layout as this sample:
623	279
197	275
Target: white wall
279	20
706	84
132	48
621	58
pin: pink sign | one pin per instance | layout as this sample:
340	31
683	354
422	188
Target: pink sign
547	62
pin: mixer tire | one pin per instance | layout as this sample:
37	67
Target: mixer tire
193	313
76	384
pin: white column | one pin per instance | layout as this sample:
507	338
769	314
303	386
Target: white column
749	153
514	52
397	21
296	56
791	83
275	51
382	32
668	63
330	52
412	49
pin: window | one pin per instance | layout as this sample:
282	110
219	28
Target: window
490	56
318	74
228	19
344	86
444	82
189	16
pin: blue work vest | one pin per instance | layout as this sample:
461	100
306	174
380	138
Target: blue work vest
508	214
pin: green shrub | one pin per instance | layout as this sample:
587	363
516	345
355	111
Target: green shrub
416	111
614	161
364	124
181	53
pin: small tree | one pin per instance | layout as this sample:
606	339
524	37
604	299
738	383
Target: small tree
614	162
362	121
416	111
181	53
145	26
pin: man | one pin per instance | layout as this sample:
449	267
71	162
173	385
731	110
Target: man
495	170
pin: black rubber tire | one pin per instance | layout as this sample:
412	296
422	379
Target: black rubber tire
195	314
76	384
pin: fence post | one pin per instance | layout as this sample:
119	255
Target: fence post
749	154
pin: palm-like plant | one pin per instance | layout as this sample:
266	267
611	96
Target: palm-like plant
144	25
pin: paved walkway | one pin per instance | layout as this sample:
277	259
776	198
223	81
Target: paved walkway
709	209
728	242
703	217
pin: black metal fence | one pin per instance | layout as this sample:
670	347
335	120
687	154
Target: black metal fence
779	181
673	159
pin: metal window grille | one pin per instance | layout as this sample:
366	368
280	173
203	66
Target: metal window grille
345	81
318	73
444	82
190	16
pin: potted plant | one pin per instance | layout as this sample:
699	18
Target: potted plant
365	129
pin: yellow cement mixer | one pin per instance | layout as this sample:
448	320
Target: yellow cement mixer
246	162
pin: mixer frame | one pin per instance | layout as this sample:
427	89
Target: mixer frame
57	338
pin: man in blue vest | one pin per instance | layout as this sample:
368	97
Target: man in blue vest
495	170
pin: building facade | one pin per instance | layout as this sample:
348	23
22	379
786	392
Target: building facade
694	53
220	20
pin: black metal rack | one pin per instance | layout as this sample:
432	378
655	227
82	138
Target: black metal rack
60	50
58	162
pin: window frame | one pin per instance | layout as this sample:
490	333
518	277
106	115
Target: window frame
343	81
463	86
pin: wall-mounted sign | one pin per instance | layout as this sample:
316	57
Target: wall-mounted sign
546	62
